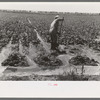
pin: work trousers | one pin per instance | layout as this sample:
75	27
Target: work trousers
54	41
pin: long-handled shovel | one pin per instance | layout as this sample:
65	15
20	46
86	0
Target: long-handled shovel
60	30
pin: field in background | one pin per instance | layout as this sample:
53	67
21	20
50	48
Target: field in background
77	28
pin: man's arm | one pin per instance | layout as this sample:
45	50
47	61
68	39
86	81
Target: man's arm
60	19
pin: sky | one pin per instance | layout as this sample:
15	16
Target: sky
83	7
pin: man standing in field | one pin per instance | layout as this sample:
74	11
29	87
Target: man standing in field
55	31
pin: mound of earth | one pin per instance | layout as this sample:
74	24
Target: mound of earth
15	59
48	61
79	60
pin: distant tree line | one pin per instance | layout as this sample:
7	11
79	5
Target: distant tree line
47	12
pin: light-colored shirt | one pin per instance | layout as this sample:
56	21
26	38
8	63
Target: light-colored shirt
54	25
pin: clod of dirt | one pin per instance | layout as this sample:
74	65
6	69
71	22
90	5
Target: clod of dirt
48	61
75	50
79	60
15	59
62	49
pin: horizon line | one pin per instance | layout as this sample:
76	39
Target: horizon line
49	11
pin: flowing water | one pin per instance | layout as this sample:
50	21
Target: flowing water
30	61
39	37
43	43
3	55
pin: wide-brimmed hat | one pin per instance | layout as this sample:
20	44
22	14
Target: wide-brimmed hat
57	16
